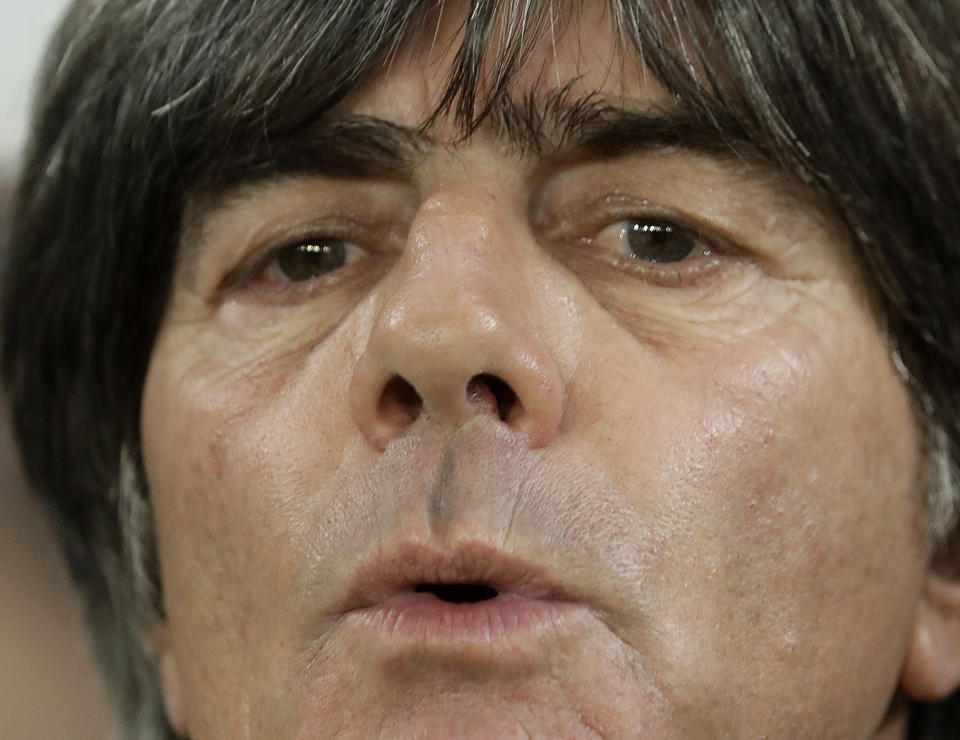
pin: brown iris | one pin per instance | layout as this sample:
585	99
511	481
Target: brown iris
658	242
311	259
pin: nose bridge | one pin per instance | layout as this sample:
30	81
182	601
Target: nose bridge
458	290
455	330
452	253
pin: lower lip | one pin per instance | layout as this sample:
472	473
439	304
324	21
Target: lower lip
425	618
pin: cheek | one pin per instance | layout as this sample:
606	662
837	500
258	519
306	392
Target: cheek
233	459
225	451
775	476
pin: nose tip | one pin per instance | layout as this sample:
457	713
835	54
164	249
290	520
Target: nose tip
395	388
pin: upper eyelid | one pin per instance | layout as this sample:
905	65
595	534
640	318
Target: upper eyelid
608	208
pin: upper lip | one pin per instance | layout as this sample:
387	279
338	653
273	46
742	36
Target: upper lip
392	572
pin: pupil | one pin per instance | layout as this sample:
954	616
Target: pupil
658	243
307	261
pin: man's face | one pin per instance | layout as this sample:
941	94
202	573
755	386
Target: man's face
635	391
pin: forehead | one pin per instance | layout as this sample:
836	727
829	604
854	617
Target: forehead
573	48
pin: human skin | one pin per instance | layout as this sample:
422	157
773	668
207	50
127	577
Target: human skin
705	504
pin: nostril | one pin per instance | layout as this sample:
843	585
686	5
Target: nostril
458	593
399	402
503	394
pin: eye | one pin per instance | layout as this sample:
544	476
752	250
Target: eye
654	242
310	259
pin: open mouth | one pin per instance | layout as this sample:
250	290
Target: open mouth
468	595
458	593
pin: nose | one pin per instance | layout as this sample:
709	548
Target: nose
455	335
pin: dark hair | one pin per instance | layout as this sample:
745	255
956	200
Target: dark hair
142	101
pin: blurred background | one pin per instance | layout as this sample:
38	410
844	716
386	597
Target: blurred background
48	687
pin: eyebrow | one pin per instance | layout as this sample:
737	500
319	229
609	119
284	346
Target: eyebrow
553	126
337	146
559	125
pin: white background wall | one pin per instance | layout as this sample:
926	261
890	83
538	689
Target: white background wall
25	26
